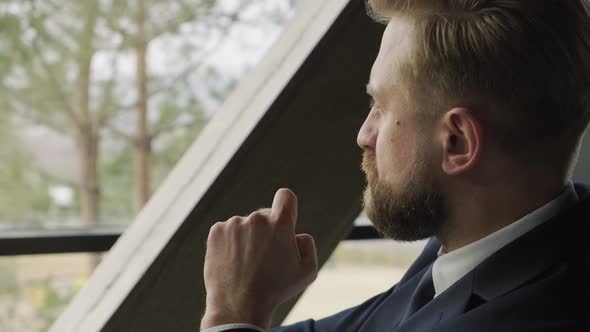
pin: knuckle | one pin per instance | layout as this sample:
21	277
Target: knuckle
217	226
234	220
259	218
216	229
256	216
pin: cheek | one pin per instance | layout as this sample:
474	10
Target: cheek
395	153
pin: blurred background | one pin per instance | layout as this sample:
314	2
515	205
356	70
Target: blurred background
99	99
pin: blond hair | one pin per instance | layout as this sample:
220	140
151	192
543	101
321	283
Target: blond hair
528	58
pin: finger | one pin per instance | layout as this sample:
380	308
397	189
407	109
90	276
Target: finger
307	251
215	229
235	220
260	212
284	207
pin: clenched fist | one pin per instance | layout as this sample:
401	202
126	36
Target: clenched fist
255	263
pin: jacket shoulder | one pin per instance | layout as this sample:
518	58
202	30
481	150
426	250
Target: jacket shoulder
344	321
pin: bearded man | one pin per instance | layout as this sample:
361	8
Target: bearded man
477	116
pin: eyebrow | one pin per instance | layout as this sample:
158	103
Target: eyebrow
372	90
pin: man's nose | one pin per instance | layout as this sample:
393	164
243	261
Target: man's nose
367	136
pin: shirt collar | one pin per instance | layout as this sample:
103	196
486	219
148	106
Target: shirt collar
452	266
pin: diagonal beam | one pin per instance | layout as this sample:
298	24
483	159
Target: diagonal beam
292	123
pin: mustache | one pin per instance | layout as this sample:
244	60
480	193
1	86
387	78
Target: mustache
369	164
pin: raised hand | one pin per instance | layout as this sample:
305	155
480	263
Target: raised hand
255	263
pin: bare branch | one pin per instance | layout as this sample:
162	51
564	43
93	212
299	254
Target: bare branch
127	36
22	106
196	63
31	103
188	14
55	83
106	109
206	16
170	126
121	134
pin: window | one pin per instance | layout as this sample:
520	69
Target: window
100	99
34	289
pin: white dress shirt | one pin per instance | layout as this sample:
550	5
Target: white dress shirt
226	327
452	266
449	267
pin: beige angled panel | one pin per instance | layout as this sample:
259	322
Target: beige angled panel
292	123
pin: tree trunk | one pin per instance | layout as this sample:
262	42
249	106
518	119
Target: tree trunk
88	147
142	146
87	135
89	185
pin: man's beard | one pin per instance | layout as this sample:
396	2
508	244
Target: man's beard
414	211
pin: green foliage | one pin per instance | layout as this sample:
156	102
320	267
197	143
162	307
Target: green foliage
10	29
45	50
52	304
24	195
117	187
7	276
173	143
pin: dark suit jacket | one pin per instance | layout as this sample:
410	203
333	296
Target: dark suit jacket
539	282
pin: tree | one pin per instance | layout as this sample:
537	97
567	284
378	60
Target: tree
68	71
50	79
148	27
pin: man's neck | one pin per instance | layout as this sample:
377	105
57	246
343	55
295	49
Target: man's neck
482	212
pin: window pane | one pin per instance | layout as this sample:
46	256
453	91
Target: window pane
35	289
100	98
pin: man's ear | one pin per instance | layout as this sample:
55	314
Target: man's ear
462	139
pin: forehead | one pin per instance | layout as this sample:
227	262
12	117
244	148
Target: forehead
396	46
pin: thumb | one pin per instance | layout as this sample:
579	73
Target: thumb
307	251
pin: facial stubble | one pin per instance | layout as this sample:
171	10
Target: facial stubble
412	210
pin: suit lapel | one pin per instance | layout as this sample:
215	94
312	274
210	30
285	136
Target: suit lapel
449	304
389	313
388	316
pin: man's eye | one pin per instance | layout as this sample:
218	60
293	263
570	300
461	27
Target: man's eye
371	102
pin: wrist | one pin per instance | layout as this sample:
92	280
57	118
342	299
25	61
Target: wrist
216	316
